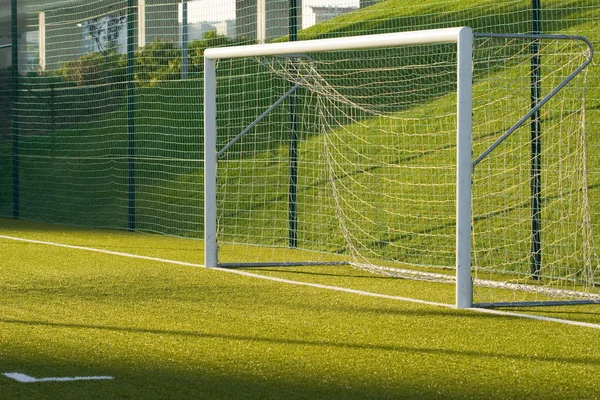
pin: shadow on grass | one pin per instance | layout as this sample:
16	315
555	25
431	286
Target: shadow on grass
309	273
587	360
151	379
574	311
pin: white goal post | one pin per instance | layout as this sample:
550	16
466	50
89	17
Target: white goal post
367	151
461	36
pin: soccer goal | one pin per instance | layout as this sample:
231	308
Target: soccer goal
403	154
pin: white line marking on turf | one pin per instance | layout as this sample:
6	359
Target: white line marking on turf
28	379
314	285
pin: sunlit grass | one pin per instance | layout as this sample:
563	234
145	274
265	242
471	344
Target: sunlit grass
168	331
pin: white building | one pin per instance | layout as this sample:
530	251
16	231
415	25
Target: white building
97	36
265	20
226	28
197	30
54	32
312	15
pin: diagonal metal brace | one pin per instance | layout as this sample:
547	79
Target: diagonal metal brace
564	83
263	115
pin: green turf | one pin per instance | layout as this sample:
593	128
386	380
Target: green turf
172	332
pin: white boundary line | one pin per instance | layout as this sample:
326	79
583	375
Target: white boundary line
308	284
19	377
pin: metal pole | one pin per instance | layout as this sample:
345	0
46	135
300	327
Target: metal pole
210	164
293	216
184	39
15	107
536	146
464	171
130	117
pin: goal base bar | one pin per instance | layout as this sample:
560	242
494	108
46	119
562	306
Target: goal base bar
281	264
536	303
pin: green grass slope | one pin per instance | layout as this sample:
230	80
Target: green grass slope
79	175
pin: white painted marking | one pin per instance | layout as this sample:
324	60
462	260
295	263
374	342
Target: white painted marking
314	285
28	379
19	377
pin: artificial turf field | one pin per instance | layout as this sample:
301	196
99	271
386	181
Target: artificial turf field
168	331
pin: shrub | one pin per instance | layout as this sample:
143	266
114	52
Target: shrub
157	61
95	69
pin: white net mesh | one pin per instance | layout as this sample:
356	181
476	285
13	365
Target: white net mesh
375	182
507	224
362	155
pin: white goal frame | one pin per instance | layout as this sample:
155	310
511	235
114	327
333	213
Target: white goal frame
462	36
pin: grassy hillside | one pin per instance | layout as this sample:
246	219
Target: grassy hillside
508	16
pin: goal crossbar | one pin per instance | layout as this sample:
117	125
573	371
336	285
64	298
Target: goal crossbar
462	36
446	35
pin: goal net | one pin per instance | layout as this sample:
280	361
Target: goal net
532	230
358	151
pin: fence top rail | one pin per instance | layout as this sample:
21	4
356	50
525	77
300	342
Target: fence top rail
431	36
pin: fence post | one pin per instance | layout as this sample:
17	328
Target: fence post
15	107
536	145
184	39
130	117
292	196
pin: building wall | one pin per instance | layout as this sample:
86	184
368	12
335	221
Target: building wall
65	23
275	15
65	29
162	20
226	28
67	32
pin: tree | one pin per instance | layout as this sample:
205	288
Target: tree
105	31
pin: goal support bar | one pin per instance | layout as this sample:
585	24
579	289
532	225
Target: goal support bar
546	98
462	36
